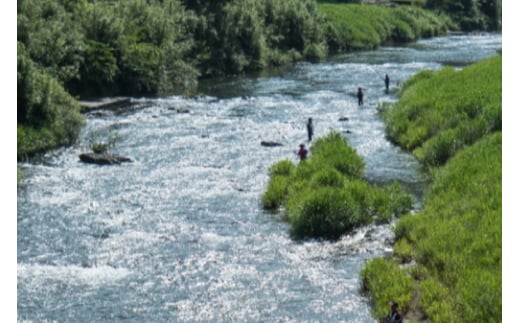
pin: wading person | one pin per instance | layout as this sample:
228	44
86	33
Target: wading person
360	96
310	129
387	83
394	316
302	153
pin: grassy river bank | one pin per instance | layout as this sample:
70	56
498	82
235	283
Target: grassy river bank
447	261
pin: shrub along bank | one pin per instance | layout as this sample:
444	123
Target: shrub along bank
456	240
325	196
47	115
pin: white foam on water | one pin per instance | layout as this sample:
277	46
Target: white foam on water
40	275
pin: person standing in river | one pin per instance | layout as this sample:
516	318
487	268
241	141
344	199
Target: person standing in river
302	153
310	129
360	96
387	83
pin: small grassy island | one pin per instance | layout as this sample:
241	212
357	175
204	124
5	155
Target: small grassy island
447	262
325	195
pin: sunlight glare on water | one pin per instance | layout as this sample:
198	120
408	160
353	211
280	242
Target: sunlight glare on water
179	234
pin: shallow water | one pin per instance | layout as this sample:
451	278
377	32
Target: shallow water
179	234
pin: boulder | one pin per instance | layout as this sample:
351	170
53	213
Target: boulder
270	143
103	159
179	110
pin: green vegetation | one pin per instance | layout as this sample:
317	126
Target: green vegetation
352	27
101	142
468	15
233	37
47	115
440	113
398	285
456	240
151	47
325	195
471	15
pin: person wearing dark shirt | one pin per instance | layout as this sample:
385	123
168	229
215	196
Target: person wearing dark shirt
302	153
394	316
387	82
310	129
360	97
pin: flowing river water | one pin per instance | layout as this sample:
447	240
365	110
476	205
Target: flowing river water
179	234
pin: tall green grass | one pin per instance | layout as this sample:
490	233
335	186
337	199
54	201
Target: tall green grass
387	282
325	196
442	112
456	240
354	26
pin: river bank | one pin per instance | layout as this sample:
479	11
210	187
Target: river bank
454	244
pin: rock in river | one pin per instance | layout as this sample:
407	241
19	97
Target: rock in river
270	143
102	159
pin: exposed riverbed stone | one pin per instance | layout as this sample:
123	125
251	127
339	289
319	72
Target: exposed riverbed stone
103	159
270	144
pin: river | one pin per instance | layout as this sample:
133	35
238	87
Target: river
179	234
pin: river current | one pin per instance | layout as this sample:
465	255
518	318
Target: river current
179	234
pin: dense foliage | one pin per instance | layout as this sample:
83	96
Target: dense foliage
148	47
456	240
467	14
325	195
442	112
243	35
47	115
471	14
125	47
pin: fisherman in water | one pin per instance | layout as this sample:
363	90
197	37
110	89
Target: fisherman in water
360	96
310	129
387	83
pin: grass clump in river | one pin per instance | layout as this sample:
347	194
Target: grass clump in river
456	240
325	196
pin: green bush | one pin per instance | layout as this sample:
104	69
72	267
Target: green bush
333	150
325	196
386	282
327	213
327	177
276	192
284	167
